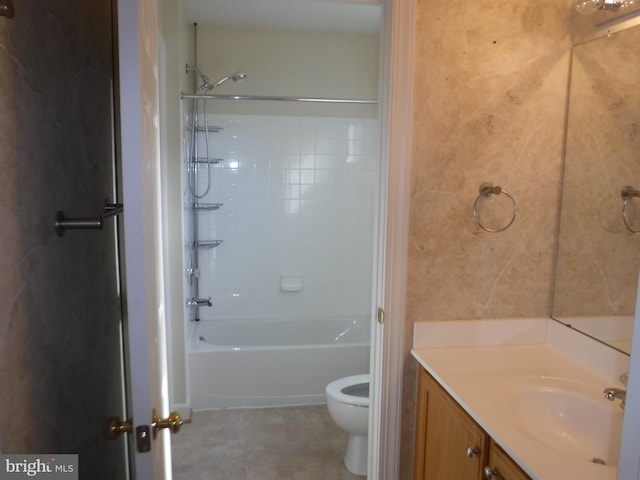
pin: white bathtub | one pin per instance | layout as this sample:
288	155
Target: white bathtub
273	362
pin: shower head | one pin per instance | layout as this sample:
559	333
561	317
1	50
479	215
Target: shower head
206	83
236	77
239	77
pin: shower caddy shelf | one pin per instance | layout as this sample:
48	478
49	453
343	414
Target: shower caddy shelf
208	243
207	206
209	160
208	128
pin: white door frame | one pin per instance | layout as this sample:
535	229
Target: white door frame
390	340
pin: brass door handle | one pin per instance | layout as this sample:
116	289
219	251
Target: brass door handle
118	426
173	422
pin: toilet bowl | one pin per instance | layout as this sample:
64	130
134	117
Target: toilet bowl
348	404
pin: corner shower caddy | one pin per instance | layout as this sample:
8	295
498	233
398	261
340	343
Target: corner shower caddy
194	161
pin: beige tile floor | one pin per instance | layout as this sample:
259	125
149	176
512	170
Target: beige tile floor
287	443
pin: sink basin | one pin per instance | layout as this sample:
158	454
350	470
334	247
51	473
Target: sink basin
569	417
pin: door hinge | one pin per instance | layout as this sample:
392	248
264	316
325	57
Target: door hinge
380	315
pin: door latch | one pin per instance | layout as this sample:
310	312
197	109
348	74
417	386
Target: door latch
117	427
143	438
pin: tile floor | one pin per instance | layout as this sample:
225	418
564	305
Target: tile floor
287	443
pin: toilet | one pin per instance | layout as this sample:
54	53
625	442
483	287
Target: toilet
348	404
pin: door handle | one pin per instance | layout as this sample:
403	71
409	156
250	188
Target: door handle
173	422
117	426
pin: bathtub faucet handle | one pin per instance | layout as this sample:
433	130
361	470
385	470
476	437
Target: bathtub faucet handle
200	302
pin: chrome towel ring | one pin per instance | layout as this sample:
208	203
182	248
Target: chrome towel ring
627	193
486	190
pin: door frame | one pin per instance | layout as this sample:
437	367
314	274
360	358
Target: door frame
392	339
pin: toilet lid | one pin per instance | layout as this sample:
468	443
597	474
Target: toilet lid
350	390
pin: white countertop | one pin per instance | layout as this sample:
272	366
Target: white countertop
482	378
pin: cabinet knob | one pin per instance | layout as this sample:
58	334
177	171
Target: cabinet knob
471	451
490	474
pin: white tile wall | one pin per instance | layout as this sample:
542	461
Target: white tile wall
299	198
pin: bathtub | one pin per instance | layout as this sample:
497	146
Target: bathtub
273	362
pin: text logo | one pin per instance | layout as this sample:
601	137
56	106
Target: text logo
50	467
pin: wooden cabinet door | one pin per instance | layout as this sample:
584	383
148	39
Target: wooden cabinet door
502	467
421	425
449	444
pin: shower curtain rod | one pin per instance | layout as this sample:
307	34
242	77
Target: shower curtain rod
278	99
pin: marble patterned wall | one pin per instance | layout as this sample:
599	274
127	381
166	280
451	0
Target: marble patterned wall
59	306
489	106
489	95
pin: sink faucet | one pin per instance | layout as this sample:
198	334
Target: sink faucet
613	393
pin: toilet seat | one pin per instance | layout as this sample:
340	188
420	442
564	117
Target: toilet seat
335	390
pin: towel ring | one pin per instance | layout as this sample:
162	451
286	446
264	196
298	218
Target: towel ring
487	189
627	193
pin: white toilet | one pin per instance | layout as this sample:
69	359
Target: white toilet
348	404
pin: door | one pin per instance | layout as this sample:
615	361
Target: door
60	330
145	354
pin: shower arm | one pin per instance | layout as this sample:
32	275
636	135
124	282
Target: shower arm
206	82
193	68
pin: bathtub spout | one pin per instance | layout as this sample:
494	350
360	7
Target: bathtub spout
200	302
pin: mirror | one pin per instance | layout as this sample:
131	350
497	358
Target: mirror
598	257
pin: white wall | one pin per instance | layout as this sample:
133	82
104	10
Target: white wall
299	199
291	63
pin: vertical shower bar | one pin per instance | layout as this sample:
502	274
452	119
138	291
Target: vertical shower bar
194	158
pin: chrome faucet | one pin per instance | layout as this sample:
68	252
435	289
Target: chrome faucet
199	302
613	393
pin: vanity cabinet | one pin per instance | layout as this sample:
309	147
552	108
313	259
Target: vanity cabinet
450	444
502	466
